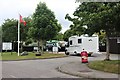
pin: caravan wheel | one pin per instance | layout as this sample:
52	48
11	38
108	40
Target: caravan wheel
67	53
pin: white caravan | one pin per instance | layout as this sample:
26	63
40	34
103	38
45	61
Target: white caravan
78	43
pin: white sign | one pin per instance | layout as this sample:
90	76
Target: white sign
118	40
55	49
36	48
7	46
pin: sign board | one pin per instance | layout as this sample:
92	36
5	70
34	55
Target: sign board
55	49
118	40
6	46
36	48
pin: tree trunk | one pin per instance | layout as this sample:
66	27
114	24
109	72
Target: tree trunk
21	47
107	47
42	46
39	46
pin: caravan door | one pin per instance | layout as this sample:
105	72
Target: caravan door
75	45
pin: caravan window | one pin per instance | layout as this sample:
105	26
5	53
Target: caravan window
70	42
79	40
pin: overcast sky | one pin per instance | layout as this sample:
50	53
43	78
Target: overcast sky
11	9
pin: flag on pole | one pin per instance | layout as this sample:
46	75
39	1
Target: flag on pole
20	21
20	17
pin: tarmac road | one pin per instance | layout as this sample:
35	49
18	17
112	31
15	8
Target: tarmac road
43	68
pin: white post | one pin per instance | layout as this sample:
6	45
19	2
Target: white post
18	35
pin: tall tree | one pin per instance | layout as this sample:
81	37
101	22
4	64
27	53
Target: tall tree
99	16
45	25
9	30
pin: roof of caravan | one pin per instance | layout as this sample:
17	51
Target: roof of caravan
94	35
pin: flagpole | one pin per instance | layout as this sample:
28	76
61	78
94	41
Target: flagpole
18	35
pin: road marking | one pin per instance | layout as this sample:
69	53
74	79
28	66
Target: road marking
12	76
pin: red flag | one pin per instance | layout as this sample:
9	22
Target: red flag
22	21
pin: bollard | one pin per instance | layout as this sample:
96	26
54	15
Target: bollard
84	56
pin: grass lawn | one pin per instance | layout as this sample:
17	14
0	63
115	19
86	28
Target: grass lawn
112	66
31	55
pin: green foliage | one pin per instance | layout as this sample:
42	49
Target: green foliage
28	41
45	26
76	27
102	38
9	30
96	16
24	35
59	37
99	16
67	34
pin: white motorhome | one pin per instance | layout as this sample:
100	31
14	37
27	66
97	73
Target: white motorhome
78	43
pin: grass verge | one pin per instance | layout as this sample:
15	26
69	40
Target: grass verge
112	66
31	55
